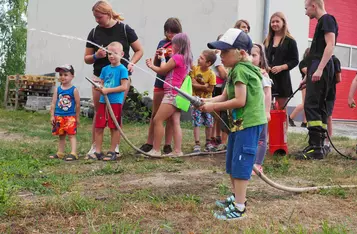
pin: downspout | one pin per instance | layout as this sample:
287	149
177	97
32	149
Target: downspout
266	19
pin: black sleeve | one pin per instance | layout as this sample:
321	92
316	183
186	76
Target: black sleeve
337	64
132	37
329	24
293	55
302	65
90	38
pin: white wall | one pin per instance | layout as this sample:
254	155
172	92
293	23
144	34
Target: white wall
203	20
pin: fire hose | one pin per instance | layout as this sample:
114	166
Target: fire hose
260	174
196	101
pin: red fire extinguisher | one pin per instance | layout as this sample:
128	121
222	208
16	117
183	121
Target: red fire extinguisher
278	138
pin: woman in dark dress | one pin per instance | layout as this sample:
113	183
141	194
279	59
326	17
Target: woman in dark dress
282	54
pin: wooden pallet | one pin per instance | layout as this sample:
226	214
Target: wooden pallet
18	87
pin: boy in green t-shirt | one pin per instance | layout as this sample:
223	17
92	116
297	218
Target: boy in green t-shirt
244	98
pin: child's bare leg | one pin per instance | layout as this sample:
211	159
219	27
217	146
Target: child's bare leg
61	143
329	125
232	181
169	131
96	96
224	137
196	134
157	99
208	132
240	190
114	133
164	112
177	132
98	139
73	142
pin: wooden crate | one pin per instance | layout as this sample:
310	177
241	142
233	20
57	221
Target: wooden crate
19	87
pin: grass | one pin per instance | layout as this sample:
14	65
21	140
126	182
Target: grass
136	195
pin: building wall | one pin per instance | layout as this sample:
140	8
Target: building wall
203	20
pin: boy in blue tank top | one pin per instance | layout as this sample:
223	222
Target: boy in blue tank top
65	111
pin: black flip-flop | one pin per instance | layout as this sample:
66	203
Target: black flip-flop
111	156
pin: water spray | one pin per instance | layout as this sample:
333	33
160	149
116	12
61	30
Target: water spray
195	101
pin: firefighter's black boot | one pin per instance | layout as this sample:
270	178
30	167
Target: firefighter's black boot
315	149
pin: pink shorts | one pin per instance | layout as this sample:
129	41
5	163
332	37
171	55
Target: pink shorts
169	99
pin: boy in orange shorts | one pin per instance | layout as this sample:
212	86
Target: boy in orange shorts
65	111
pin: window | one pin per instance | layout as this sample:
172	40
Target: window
347	54
354	58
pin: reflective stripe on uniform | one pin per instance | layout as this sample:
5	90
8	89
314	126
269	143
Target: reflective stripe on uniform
316	123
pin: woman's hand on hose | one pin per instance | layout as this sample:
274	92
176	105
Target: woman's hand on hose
100	53
131	67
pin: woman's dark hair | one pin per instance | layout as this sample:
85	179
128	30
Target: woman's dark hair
173	25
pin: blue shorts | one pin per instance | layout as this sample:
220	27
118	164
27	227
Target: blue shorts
241	150
200	118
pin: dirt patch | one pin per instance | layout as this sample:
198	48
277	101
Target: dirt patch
7	136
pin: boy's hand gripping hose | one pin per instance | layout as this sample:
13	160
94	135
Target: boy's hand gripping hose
197	102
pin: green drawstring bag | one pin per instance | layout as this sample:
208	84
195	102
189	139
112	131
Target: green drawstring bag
181	102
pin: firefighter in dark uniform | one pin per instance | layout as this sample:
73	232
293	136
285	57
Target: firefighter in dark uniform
319	79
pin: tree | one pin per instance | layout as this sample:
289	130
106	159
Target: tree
13	37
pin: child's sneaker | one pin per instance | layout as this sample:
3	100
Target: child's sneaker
209	147
229	200
92	149
291	122
117	150
224	203
145	147
221	147
231	213
175	154
167	149
155	153
196	148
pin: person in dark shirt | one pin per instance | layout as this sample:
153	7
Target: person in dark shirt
172	27
330	99
320	74
109	29
300	107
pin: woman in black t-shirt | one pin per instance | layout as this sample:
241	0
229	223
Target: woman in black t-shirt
282	55
109	29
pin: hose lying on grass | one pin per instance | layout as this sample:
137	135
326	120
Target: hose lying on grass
260	174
